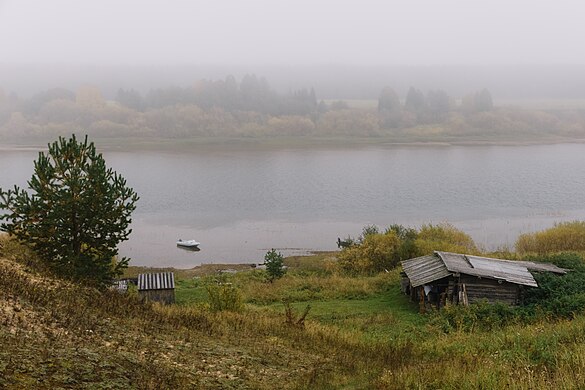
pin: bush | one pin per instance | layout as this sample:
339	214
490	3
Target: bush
559	295
564	236
224	296
368	230
376	253
407	238
443	237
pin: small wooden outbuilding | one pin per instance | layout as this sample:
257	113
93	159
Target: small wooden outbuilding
455	278
157	287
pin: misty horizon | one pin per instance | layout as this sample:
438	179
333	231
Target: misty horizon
342	49
288	33
329	82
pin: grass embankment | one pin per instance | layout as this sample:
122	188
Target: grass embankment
360	333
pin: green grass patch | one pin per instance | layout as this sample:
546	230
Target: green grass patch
190	292
360	333
382	315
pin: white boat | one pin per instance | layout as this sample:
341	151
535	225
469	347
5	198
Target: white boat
188	243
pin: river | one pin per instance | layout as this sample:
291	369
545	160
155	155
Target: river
239	203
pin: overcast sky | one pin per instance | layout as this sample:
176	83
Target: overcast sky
292	32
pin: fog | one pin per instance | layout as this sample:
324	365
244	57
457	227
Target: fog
419	32
345	49
334	81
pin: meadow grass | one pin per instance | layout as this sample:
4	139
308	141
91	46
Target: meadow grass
364	335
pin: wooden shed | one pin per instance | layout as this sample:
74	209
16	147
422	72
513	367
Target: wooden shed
456	278
157	287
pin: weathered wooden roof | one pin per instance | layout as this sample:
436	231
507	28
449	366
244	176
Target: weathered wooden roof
543	267
425	269
156	281
484	267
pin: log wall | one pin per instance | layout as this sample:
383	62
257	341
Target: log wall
491	290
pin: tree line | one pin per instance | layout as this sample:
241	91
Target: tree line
251	108
433	107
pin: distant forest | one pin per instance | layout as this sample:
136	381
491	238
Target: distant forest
251	108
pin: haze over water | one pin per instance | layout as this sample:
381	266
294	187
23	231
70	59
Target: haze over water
241	203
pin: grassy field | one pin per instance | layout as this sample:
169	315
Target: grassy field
359	333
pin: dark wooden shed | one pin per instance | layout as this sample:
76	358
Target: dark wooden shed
157	287
455	278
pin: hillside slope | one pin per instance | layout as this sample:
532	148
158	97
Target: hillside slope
56	334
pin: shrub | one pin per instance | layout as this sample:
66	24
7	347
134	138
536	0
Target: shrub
559	295
407	238
368	230
376	253
564	236
224	296
443	237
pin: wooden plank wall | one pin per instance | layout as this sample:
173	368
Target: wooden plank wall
162	296
490	289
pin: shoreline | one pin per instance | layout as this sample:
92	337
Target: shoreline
266	143
210	268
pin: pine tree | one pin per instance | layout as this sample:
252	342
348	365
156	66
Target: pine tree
274	262
415	100
75	213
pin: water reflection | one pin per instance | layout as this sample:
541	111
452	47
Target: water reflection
241	202
188	249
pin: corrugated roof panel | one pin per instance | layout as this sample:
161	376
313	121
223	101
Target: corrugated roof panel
156	281
455	262
509	271
485	267
544	267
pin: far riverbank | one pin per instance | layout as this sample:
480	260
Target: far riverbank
308	142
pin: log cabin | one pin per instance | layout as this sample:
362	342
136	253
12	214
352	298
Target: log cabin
453	278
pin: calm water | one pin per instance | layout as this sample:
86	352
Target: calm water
240	204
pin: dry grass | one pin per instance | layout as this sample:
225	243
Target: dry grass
299	288
56	334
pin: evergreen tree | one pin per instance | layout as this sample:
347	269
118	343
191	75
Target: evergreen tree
415	100
274	262
75	212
